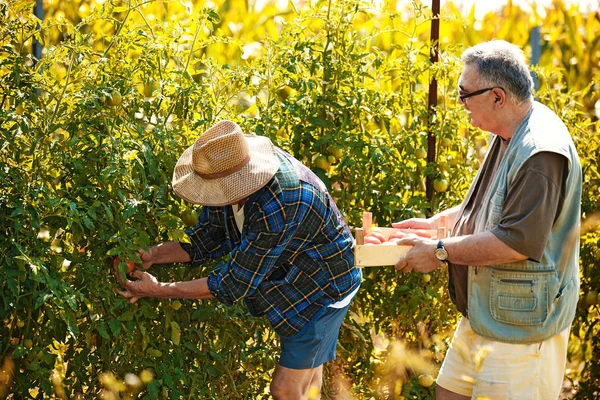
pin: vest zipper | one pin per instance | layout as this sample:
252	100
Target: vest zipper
531	282
522	270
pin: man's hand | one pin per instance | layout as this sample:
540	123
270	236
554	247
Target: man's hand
163	253
145	285
146	257
415	223
421	258
444	219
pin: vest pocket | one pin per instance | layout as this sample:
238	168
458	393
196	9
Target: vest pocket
519	298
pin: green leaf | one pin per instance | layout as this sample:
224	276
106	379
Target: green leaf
153	389
175	333
13	285
390	198
154	352
33	366
103	332
216	356
41	299
150	159
213	16
115	326
323	176
213	371
192	347
319	122
71	325
127	316
19	351
145	341
109	215
202	314
87	222
148	312
71	302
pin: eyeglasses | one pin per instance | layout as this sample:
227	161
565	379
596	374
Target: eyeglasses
477	93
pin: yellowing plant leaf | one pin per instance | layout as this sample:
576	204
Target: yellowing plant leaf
175	333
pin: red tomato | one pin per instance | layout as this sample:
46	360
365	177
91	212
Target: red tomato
130	265
372	240
377	235
397	235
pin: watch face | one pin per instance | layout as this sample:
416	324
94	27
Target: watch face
441	254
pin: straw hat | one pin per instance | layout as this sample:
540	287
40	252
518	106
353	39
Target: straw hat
224	166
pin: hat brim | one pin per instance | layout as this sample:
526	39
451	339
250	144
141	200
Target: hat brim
232	188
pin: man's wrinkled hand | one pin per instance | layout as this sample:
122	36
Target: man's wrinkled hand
146	257
145	285
421	258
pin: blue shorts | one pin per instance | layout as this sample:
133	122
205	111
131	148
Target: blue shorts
316	343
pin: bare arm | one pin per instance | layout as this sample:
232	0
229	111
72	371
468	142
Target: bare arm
481	249
429	223
164	253
147	285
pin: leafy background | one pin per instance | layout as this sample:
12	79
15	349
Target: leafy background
91	131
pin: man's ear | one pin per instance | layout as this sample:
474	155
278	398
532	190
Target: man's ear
498	96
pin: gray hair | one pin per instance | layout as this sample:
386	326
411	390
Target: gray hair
502	64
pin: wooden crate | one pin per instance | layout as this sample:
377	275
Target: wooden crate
366	255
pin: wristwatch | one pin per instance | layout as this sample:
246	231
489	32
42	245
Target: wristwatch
441	253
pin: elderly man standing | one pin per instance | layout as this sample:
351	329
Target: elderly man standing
514	248
290	251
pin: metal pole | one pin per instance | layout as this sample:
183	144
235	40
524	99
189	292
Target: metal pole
432	101
536	53
36	48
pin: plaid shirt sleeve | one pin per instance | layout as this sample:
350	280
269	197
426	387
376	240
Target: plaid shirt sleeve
265	238
208	238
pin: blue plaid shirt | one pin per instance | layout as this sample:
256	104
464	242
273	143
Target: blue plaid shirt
294	256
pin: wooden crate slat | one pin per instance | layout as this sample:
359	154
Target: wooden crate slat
379	254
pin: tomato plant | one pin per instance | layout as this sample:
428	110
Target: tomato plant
90	134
